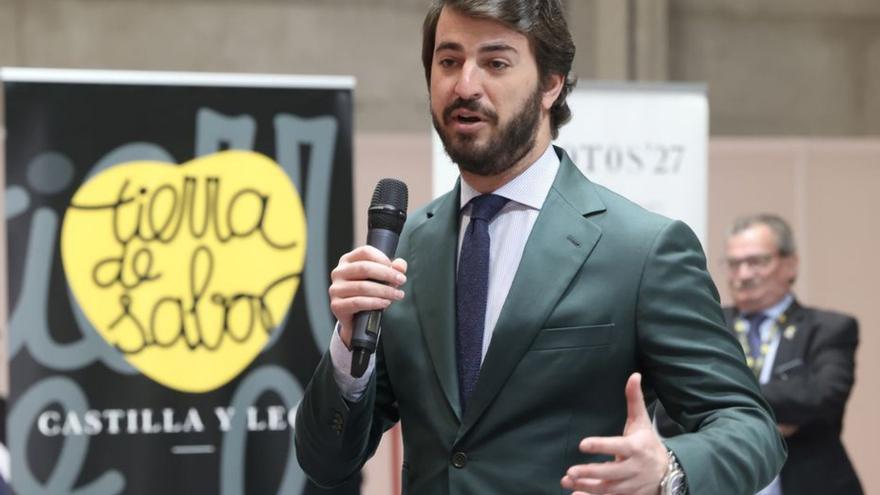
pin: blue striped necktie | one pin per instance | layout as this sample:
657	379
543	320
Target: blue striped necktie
471	290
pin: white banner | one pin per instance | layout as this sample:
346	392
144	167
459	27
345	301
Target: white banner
645	141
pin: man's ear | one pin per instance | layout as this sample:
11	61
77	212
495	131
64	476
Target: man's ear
553	85
791	266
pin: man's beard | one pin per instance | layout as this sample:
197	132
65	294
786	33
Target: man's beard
504	149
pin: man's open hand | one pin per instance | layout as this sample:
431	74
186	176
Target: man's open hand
640	458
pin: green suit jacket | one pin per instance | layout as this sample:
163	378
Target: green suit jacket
604	289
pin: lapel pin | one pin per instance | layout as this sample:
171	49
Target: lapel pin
789	332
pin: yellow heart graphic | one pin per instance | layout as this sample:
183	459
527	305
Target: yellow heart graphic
186	269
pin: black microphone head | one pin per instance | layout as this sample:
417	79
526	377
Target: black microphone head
390	192
388	207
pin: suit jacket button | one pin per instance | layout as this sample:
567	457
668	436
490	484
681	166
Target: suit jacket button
459	459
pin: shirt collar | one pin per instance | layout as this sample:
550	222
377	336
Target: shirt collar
529	188
775	311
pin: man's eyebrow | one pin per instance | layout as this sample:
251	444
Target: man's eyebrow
497	47
449	45
492	47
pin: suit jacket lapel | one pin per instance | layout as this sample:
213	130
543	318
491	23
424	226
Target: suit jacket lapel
789	346
561	240
434	247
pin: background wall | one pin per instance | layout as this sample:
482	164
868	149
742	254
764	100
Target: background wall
808	68
779	67
827	190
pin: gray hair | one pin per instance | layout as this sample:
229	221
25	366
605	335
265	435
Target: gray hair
779	227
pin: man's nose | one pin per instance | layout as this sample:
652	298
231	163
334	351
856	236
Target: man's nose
743	271
469	85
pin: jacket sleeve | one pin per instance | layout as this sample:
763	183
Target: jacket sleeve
698	371
818	391
335	437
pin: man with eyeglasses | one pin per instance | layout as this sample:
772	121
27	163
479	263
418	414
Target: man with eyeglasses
804	358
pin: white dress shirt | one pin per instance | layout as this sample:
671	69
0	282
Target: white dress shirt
508	233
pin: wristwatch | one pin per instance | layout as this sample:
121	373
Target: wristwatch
674	481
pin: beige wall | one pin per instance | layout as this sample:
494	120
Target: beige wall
827	189
271	36
783	67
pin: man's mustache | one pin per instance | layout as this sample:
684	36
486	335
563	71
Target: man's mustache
486	114
749	283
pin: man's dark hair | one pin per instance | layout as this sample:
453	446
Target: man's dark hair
541	21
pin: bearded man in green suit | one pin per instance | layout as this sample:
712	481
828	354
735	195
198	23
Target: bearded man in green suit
529	307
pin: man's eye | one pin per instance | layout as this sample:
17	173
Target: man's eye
498	64
446	62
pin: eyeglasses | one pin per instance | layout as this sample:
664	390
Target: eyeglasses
753	262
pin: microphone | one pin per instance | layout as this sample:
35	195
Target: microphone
385	220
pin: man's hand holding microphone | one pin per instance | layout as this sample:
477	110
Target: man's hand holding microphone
366	280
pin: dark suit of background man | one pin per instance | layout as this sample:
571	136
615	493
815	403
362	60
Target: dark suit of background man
804	357
532	316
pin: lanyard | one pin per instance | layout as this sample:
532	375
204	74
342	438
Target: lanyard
742	331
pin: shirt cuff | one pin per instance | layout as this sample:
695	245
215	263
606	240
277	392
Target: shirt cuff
352	388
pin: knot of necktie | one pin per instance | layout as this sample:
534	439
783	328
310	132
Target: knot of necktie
486	206
755	319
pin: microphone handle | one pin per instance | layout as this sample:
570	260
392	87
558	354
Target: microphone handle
365	333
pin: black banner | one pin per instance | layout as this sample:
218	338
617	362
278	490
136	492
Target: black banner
169	246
